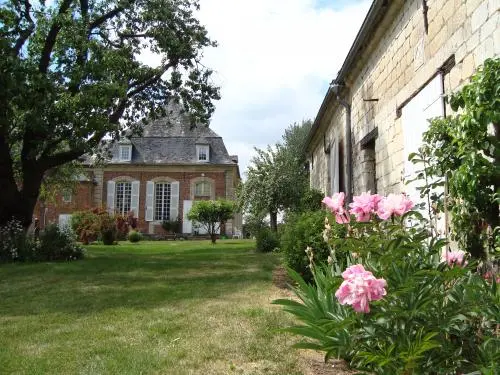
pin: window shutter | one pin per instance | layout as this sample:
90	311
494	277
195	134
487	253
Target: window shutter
174	200
150	191
334	154
111	197
134	200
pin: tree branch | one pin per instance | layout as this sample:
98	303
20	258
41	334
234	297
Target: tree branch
60	158
25	34
139	86
50	41
106	16
81	57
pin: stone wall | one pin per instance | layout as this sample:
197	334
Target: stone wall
394	65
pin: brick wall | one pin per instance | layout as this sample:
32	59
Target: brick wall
398	60
81	199
93	194
185	188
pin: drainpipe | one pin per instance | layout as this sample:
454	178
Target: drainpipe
336	88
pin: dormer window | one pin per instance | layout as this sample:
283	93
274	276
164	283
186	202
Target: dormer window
202	153
125	152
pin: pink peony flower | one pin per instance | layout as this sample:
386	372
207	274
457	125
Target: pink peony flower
336	205
363	205
394	204
454	257
359	288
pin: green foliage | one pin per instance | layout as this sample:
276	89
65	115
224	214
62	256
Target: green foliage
253	224
212	214
276	178
310	200
435	319
73	73
96	223
58	244
59	179
171	226
15	245
85	224
267	240
134	236
465	149
304	230
54	244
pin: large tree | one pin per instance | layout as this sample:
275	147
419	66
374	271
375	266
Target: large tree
71	74
277	178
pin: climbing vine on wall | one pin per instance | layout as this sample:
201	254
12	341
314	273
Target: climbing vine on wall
464	148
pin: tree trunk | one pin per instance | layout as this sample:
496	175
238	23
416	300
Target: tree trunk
213	237
273	219
10	197
17	202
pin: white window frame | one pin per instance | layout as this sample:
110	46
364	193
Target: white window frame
202	150
126	198
162	212
129	152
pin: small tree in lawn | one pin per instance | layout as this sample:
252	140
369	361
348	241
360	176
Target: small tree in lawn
211	215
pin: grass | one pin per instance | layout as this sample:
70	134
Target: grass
183	307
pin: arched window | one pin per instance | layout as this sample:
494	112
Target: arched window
123	197
163	194
202	189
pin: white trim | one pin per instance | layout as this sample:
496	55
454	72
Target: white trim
121	150
203	151
150	189
134	199
111	197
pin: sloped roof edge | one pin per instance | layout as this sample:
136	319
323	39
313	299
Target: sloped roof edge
377	9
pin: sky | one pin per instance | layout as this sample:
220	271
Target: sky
274	62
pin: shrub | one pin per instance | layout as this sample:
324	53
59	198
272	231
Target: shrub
395	302
54	244
97	223
122	227
85	224
171	226
302	231
58	244
267	240
134	236
15	245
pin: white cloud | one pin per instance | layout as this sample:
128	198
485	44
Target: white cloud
274	61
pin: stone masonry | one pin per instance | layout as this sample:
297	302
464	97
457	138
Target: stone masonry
396	61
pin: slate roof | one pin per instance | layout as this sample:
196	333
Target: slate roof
171	140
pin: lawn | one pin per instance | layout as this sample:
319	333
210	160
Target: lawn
177	307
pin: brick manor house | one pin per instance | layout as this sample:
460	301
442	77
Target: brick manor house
157	176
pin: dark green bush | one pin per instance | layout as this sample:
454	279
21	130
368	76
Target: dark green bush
58	244
303	230
171	226
15	245
267	240
134	236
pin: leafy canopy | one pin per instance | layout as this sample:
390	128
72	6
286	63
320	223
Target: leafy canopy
73	72
212	214
276	177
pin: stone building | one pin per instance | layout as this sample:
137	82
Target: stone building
407	55
157	176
